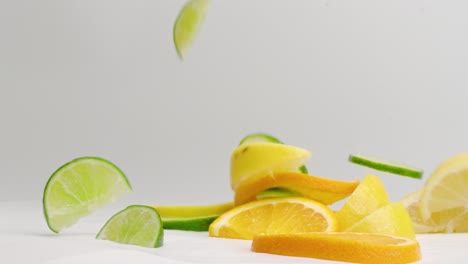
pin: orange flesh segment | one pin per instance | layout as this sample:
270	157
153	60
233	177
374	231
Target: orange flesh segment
341	246
274	216
323	190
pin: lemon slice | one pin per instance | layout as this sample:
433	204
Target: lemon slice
369	196
263	137
444	197
248	162
274	192
411	203
392	219
187	25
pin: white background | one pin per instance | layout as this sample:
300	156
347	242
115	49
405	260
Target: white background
101	77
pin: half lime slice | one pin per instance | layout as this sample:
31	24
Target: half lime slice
80	187
386	166
187	25
191	217
136	225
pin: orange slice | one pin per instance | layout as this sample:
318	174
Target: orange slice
341	246
323	190
274	216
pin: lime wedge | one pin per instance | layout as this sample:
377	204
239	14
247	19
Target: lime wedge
386	166
80	187
136	225
187	25
191	217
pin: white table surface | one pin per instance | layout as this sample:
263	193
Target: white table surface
25	238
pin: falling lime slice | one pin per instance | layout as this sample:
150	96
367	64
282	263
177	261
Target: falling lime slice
191	217
187	25
386	166
80	187
136	225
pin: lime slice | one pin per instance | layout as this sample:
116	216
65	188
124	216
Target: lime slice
191	217
80	187
187	25
136	225
386	166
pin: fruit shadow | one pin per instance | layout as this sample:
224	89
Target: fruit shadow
61	235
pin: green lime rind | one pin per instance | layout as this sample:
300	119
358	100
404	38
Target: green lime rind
80	187
386	166
199	224
138	225
276	192
188	24
303	169
259	137
191	217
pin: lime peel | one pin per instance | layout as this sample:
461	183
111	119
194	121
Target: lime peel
386	166
191	217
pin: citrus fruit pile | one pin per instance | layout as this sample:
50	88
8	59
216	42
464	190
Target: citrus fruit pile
277	204
295	217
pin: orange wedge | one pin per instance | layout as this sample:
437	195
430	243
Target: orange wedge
274	216
323	190
341	246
